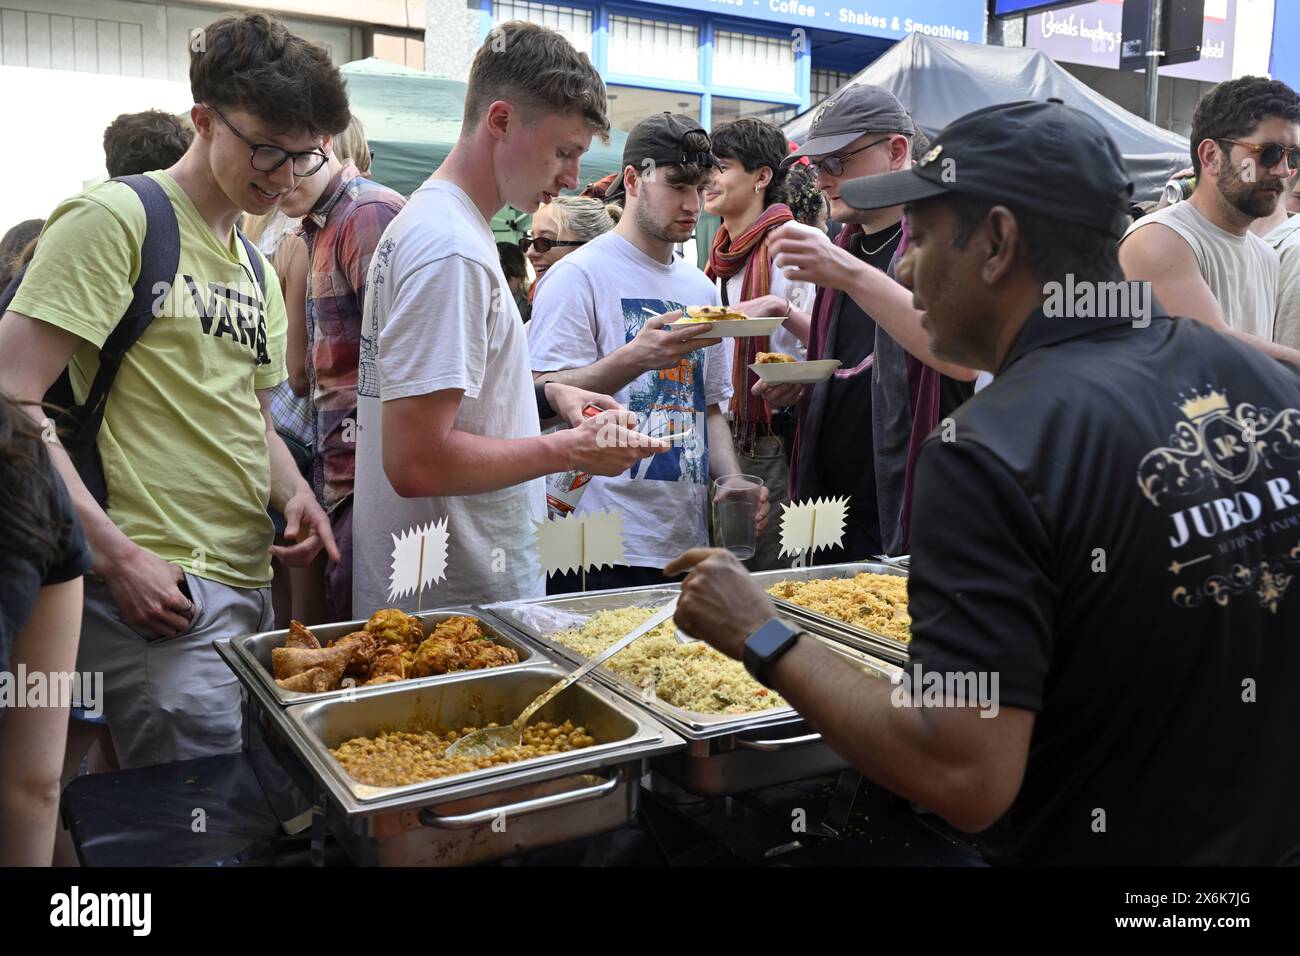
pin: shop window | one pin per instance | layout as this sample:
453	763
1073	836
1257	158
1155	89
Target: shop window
826	82
654	48
746	61
726	109
628	105
573	23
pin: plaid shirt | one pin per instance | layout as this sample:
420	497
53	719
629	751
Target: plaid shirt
341	235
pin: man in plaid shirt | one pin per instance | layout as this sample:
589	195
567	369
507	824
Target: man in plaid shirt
344	215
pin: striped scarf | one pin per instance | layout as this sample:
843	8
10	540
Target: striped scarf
726	258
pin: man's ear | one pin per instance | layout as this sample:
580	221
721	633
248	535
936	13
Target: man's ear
327	144
498	118
1211	156
631	182
202	120
899	152
1003	233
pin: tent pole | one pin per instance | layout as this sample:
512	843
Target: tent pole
1154	55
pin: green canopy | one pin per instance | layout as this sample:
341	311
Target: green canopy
413	119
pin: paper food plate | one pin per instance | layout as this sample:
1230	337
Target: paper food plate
733	328
796	373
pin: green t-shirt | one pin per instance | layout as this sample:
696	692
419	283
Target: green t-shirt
183	441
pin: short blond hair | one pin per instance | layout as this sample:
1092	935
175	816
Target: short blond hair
351	146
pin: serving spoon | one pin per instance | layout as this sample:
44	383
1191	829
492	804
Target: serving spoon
488	740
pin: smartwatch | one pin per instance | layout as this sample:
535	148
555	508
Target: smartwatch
765	646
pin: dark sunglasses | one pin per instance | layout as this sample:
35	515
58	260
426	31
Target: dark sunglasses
267	159
545	245
1270	154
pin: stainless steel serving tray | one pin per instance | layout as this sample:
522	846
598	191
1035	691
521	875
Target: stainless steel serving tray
860	638
255	650
478	816
725	753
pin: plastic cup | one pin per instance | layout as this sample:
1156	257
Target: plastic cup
735	500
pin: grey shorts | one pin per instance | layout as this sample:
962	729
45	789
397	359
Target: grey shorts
171	698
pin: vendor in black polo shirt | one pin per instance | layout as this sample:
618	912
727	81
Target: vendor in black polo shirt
1109	546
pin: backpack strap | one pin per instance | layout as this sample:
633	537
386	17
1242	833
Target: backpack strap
160	255
254	260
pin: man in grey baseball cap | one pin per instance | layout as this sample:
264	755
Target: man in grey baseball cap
849	114
856	431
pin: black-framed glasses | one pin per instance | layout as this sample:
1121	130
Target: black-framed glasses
1270	154
834	165
267	158
545	245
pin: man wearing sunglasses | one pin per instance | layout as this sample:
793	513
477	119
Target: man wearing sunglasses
182	541
1200	256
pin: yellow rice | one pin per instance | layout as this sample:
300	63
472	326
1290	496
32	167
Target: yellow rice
875	602
691	676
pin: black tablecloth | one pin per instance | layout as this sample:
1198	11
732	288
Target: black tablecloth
212	812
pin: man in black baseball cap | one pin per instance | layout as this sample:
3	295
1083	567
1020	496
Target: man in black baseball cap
1099	598
664	139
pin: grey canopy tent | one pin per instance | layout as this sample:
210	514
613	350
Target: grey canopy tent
412	120
940	80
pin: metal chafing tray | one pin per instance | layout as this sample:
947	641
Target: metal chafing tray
472	817
255	650
860	638
724	754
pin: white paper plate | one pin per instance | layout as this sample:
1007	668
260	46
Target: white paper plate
733	328
796	373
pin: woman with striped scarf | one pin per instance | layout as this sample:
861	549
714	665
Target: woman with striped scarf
747	194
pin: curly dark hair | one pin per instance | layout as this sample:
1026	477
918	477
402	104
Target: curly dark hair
27	487
1235	108
251	62
802	195
755	144
538	71
138	142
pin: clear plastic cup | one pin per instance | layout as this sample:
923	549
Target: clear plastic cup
735	503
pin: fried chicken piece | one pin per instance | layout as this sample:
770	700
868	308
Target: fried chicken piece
383	679
387	663
363	651
314	681
436	656
394	626
458	630
300	636
324	673
291	661
481	654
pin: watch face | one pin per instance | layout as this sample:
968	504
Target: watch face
770	638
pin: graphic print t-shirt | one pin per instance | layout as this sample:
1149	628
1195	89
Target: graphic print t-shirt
183	441
1114	531
595	301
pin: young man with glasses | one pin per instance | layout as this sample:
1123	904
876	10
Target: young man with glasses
191	458
1200	256
859	431
344	215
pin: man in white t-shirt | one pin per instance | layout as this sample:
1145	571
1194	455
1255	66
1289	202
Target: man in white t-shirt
448	414
598	323
1282	231
1199	255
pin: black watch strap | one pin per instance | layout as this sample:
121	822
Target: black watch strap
765	647
544	410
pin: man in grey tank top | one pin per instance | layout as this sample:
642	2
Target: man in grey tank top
1200	256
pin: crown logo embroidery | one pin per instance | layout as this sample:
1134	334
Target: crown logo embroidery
1199	406
931	156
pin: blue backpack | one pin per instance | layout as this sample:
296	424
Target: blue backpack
78	422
